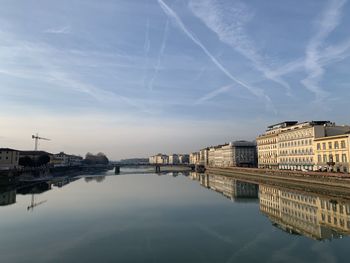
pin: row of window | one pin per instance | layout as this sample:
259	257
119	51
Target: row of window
331	145
307	151
334	207
295	135
267	141
295	143
297	160
299	197
330	158
335	221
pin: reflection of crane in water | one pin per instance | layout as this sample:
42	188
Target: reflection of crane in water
33	204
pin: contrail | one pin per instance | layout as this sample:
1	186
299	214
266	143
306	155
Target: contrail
160	55
213	94
171	14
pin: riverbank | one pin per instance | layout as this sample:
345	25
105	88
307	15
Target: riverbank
38	172
326	183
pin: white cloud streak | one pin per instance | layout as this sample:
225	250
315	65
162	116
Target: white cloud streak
176	19
59	30
147	44
227	20
213	94
327	23
160	55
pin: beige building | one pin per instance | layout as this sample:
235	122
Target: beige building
290	145
159	159
174	159
195	158
296	143
267	145
204	156
8	158
332	153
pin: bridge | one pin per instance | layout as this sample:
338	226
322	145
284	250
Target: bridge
158	168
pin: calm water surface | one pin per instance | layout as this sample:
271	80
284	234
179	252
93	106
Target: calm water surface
137	217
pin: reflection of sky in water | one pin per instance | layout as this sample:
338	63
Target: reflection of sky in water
149	218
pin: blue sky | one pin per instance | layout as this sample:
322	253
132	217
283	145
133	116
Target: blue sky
135	77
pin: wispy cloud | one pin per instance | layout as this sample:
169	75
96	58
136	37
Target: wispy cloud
327	23
176	19
59	30
147	44
43	65
213	94
160	55
227	20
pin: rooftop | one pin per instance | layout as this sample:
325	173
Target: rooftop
8	149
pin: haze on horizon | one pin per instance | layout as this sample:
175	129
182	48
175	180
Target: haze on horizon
133	78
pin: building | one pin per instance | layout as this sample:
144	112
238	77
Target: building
267	145
203	156
184	158
290	145
63	159
233	154
159	159
296	143
135	161
332	153
174	159
34	154
8	158
195	158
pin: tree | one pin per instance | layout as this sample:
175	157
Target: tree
43	160
99	158
26	161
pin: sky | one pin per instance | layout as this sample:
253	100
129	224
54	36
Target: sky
132	78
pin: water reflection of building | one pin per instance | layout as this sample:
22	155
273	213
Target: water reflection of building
97	179
230	187
7	197
304	213
195	176
335	214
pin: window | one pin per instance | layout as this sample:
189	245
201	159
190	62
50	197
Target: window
324	158
336	145
337	157
342	144
318	146
331	157
330	145
324	146
343	158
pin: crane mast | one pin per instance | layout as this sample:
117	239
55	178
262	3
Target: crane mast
36	139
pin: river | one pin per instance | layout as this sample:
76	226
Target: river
138	216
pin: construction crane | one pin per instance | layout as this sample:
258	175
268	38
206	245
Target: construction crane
37	138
